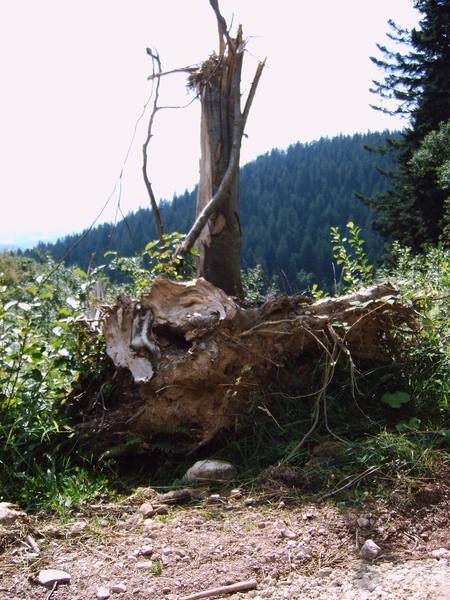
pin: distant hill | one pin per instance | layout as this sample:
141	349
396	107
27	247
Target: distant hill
289	199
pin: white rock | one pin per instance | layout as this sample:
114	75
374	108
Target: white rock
210	469
440	553
120	588
50	576
370	550
148	564
102	593
147	550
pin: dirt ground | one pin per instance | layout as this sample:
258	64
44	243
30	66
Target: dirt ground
172	545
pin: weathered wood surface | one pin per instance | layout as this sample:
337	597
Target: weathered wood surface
189	356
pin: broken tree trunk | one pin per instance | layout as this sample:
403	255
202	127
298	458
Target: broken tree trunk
218	83
188	357
219	244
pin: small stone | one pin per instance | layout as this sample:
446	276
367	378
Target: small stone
166	589
120	588
214	499
50	576
290	535
440	553
134	521
148	564
51	531
370	550
102	593
147	510
248	501
326	572
162	510
77	528
210	469
282	505
180	552
363	522
308	516
146	550
261	525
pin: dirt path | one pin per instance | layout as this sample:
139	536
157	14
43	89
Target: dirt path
146	547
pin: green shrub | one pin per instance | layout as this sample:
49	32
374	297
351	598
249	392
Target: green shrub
44	348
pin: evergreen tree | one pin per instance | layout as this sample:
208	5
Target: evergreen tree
417	81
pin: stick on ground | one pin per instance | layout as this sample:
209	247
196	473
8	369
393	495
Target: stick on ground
225	589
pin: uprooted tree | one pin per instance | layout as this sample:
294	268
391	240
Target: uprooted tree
188	356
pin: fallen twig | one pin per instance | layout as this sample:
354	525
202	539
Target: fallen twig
368	471
52	590
33	544
225	589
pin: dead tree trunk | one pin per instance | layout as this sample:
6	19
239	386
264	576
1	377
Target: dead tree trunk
217	230
218	83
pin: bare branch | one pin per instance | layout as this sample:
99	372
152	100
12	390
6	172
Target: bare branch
156	62
180	70
223	29
252	92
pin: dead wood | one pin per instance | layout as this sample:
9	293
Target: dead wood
224	589
188	357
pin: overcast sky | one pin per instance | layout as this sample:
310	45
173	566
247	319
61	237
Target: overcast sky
74	84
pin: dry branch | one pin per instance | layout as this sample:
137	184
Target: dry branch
225	589
157	77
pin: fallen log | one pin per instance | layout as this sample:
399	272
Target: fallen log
188	357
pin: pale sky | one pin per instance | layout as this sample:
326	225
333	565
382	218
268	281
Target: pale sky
74	84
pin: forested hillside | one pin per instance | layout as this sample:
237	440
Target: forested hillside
288	202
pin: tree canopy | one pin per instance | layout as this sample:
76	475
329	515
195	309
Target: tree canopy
416	85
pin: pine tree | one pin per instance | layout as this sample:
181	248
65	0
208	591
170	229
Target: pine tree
417	82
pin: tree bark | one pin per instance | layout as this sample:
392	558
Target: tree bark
219	243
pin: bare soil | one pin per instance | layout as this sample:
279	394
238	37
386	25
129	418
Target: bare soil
181	543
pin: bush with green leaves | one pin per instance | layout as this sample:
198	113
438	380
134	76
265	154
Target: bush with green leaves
44	349
424	281
351	257
141	269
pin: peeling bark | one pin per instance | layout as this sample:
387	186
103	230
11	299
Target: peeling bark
188	357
